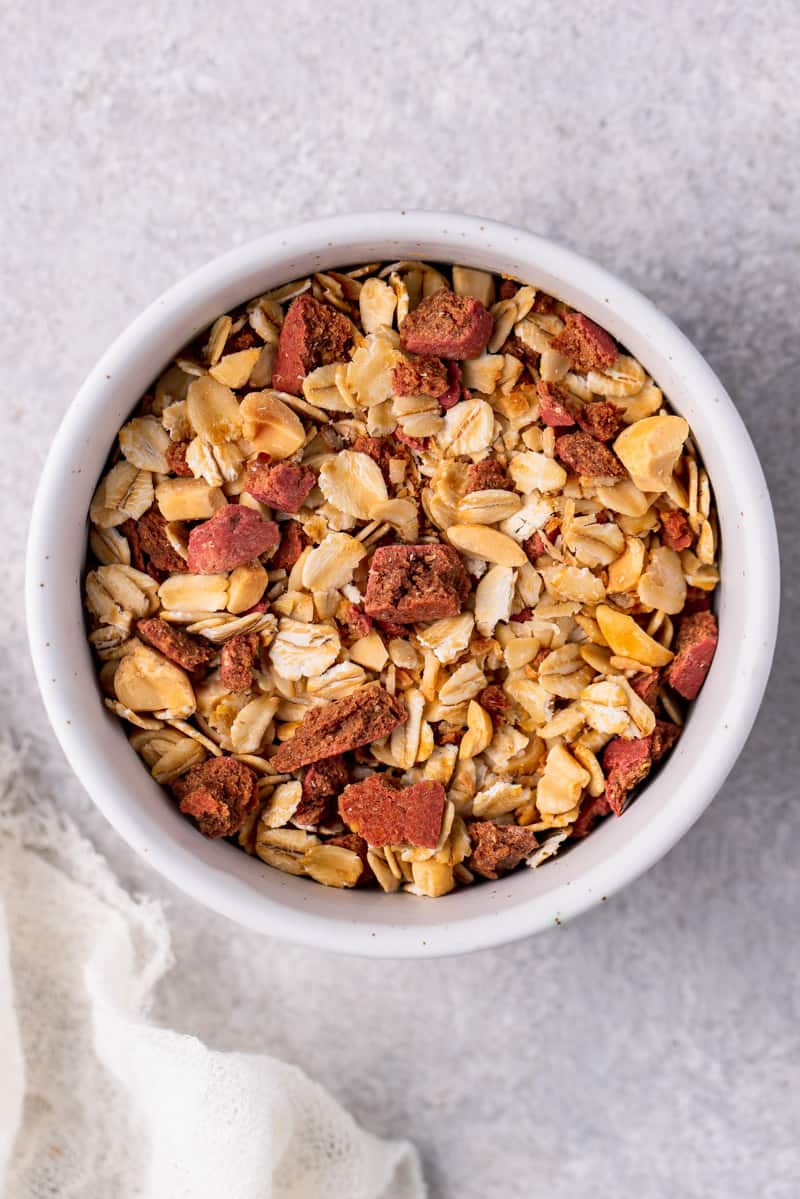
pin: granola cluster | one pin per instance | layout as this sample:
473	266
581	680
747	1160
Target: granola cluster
402	576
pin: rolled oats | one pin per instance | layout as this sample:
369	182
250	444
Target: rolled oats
459	576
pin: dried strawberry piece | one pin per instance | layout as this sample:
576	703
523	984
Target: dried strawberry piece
409	583
353	622
414	443
694	650
488	474
592	811
232	537
188	651
322	782
448	326
237	660
494	700
646	687
534	547
420	376
663	738
625	764
285	485
601	419
245	338
390	628
676	532
588	457
359	719
556	407
522	616
358	845
697	600
587	346
176	459
313	334
507	289
386	816
293	542
218	794
498	848
148	534
450	398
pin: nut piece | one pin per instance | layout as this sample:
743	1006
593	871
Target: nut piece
246	587
188	499
270	425
432	878
628	640
662	586
650	448
480	731
479	541
146	681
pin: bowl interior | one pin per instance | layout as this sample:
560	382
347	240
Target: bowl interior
361	922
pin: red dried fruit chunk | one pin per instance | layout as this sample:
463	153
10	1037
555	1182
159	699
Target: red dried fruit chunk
358	845
232	537
390	628
625	764
676	532
359	719
508	289
646	687
413	443
534	547
409	583
293	542
556	408
322	782
601	419
176	458
313	334
353	622
149	535
694	650
487	475
498	848
447	325
189	652
237	660
697	600
285	486
450	398
663	737
218	794
588	457
420	376
494	700
244	339
522	616
587	346
381	450
386	816
590	813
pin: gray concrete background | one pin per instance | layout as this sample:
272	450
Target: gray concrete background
651	1048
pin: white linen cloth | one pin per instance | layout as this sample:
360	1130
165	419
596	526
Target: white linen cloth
94	1100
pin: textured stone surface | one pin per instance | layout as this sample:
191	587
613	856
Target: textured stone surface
646	1050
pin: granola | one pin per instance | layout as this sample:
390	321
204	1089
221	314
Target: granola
402	576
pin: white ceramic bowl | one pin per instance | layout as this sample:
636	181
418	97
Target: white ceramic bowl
375	924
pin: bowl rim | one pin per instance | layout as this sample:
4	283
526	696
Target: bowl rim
439	937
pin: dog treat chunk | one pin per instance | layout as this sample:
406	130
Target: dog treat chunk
410	583
588	457
188	651
424	375
384	815
313	334
218	794
237	660
587	346
232	537
695	646
487	475
498	848
358	719
148	537
600	419
447	326
676	532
